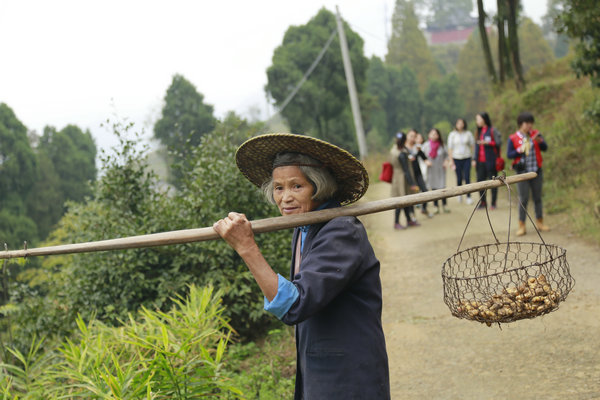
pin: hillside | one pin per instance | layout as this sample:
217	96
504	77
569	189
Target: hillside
563	107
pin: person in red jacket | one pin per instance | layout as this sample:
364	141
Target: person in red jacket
525	147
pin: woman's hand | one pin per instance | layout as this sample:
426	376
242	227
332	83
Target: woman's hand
236	230
428	163
414	189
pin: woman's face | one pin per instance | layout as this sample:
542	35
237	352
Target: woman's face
479	121
460	125
292	192
419	139
433	135
410	137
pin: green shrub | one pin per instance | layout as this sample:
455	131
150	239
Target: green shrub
264	371
158	355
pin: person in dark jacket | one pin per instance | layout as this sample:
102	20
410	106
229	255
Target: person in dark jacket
333	296
415	154
487	149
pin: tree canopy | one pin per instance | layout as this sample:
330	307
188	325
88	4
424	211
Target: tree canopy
579	20
535	50
184	119
321	107
397	93
18	169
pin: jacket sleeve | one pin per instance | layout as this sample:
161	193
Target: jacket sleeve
328	267
544	144
407	175
511	152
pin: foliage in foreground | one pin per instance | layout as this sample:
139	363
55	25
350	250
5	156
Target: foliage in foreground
264	370
158	355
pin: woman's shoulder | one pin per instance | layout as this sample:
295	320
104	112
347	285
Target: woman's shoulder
346	225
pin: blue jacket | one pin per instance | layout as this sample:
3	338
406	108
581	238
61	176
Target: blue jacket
340	344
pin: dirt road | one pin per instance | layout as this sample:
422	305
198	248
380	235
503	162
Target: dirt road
434	355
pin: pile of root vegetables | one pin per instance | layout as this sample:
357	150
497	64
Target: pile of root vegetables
531	298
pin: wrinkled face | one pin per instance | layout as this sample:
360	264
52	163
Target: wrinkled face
479	121
292	192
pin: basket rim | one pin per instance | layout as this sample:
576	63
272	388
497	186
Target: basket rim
446	276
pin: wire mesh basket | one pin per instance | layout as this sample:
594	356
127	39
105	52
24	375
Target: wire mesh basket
505	281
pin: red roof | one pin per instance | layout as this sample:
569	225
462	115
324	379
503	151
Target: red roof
453	36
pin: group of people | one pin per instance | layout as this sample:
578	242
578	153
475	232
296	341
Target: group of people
333	292
420	165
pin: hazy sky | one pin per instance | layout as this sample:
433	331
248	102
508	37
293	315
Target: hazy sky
83	61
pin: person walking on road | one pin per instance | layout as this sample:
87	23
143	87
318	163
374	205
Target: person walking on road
403	181
436	165
486	150
525	147
460	152
416	152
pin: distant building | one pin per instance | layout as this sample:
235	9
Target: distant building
450	36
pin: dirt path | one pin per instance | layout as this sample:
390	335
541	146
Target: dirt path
434	355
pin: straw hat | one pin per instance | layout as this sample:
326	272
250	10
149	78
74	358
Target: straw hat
255	158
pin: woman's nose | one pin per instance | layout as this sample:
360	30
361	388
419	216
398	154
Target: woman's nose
287	196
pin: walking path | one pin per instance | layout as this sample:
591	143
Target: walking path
434	355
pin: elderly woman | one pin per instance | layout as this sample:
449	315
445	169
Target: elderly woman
333	296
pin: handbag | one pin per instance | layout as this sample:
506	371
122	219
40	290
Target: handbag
500	164
386	172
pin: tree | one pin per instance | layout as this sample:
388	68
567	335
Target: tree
408	46
185	118
321	107
535	49
580	21
397	93
442	102
513	43
558	41
66	169
485	44
18	170
475	84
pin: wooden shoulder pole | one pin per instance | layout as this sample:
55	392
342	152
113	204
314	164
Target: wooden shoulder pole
264	225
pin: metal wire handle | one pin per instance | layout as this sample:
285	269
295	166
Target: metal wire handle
502	178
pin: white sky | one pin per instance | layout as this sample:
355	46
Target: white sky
83	61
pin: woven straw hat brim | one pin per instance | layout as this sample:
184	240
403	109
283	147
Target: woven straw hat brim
254	159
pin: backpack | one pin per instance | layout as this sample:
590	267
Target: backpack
386	172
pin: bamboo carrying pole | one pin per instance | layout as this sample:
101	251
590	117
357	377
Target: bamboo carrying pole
264	225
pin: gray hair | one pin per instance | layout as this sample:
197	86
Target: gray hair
322	181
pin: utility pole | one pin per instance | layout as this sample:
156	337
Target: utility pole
360	133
